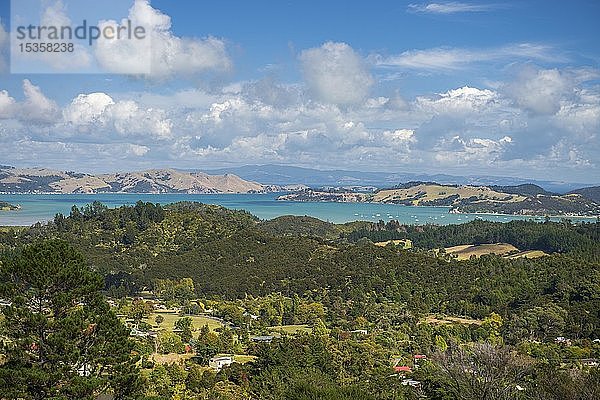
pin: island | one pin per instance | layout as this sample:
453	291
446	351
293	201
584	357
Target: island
527	199
4	206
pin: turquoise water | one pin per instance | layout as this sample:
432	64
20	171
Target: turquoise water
42	207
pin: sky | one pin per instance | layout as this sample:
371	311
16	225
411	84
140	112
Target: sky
506	88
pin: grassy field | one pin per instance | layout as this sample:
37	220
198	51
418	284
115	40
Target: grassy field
406	243
170	319
420	193
464	252
528	254
173	358
290	329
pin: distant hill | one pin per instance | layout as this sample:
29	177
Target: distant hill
590	193
284	175
42	180
527	189
517	200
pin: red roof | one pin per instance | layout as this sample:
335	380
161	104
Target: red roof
402	368
420	356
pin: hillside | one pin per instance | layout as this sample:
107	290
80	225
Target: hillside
590	193
518	200
358	307
41	180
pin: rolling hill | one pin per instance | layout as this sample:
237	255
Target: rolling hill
42	180
591	193
516	200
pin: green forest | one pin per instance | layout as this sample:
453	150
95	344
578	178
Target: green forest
141	302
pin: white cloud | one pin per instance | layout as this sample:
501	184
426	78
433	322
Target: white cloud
580	119
138	150
54	14
98	113
453	59
451	7
161	54
336	74
463	151
37	108
541	91
462	129
7	105
87	109
459	101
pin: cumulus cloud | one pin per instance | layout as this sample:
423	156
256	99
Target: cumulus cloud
7	105
336	74
540	91
54	14
451	7
462	129
99	112
37	108
87	109
138	150
161	54
462	100
462	151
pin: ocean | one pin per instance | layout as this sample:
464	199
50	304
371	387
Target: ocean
43	207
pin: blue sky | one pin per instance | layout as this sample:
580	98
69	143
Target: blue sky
463	87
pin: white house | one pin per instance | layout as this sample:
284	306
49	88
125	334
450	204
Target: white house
217	363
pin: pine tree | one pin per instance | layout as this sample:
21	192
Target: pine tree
61	340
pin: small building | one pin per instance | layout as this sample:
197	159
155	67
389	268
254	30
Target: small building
262	339
563	340
217	363
402	369
590	362
411	383
419	357
252	316
359	331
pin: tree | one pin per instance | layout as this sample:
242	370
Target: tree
63	339
483	372
170	343
139	309
184	327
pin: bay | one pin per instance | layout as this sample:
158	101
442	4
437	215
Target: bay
43	207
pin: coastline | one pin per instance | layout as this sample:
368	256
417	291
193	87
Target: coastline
449	207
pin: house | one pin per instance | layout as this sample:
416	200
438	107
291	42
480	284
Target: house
84	370
217	363
563	340
359	331
137	333
411	383
402	369
590	362
262	339
252	316
419	357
